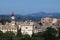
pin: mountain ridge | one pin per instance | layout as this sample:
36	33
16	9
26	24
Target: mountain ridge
34	16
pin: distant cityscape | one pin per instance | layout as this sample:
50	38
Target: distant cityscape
29	26
29	19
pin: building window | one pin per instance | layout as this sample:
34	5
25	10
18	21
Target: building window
26	27
36	27
52	24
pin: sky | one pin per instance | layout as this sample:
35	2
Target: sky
29	6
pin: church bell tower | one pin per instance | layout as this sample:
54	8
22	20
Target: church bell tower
13	18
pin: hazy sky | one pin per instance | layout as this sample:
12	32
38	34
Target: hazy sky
29	6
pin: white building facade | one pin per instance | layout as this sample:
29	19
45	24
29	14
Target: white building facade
9	26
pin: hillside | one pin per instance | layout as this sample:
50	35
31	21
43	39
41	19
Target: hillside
34	16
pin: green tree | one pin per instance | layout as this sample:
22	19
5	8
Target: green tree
59	33
50	34
19	34
3	21
1	34
37	36
8	35
26	36
23	37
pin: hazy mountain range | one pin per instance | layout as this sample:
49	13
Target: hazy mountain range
34	16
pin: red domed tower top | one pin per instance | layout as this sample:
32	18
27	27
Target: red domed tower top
12	13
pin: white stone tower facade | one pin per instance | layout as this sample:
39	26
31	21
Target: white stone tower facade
13	19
